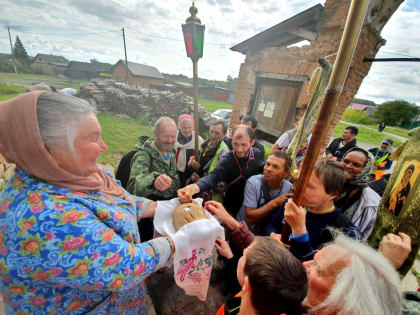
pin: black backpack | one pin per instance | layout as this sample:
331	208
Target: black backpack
124	168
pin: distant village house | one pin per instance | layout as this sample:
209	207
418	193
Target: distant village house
369	109
50	64
86	71
138	74
216	93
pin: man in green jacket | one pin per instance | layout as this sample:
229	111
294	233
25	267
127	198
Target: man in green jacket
153	170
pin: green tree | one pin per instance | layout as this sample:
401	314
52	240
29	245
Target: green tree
395	113
19	52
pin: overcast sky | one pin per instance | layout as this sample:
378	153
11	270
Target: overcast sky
86	29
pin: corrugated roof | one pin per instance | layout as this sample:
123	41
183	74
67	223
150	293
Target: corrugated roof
356	106
279	35
140	70
58	60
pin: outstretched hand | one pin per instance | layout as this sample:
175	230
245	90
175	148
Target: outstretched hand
223	248
218	210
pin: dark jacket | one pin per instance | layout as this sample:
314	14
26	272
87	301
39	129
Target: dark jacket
235	177
318	232
338	153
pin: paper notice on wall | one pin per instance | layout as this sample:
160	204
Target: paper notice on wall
261	107
269	109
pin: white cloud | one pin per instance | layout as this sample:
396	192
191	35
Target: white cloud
228	22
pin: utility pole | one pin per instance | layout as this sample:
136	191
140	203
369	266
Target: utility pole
11	49
126	62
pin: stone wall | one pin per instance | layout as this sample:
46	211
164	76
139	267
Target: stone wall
135	102
303	60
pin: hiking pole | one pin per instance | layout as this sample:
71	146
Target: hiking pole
354	23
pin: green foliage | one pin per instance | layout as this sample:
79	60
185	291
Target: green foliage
212	105
19	52
355	116
366	135
395	113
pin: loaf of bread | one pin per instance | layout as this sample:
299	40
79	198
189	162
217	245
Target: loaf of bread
187	213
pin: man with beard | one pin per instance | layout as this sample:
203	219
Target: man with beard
233	168
153	172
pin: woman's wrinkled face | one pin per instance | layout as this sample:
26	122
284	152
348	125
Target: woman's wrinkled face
322	272
186	128
88	144
353	163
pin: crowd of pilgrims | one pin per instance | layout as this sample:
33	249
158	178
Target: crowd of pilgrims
76	239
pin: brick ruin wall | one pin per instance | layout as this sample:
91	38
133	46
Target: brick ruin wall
304	60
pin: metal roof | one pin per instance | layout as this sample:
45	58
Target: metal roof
140	70
287	32
52	59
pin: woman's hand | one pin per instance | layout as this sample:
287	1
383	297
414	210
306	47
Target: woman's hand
296	217
223	248
218	210
150	210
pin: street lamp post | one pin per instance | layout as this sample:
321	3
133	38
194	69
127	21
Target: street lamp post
193	32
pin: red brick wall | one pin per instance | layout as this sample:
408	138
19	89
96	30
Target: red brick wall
120	71
303	60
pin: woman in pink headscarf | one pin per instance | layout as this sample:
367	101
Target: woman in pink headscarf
68	231
184	147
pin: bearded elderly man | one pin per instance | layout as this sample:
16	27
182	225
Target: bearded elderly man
153	172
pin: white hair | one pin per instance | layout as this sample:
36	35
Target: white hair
58	119
367	285
161	120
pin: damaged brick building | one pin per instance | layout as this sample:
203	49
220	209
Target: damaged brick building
274	76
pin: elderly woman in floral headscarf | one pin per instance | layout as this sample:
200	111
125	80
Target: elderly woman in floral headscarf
68	230
358	201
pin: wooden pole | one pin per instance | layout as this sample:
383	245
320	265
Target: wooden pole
11	49
196	126
126	62
341	66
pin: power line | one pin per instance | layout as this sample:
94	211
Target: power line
391	53
79	34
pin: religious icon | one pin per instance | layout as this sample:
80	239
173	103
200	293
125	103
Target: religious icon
402	186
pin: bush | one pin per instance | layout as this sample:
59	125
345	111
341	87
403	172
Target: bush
356	116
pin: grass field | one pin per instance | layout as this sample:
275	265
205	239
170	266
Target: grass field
120	135
211	105
397	131
8	91
365	135
28	79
